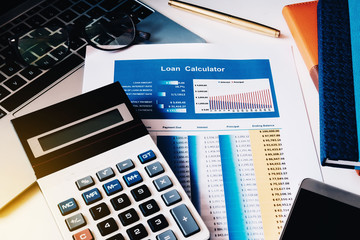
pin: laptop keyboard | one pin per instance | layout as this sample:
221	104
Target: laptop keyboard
18	83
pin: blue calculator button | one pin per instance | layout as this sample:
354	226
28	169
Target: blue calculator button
132	178
112	187
147	156
68	206
91	196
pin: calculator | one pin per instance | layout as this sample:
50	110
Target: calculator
101	173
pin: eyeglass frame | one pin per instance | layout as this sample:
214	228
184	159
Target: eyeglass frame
14	40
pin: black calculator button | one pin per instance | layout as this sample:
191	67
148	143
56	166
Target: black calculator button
154	169
128	217
149	207
133	178
112	187
147	156
68	206
91	196
125	165
99	211
171	197
105	174
75	222
167	235
120	202
138	232
158	223
85	182
141	193
108	226
185	220
162	183
118	236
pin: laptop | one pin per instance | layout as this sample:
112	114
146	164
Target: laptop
321	211
22	88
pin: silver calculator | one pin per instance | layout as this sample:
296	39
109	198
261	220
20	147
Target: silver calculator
101	173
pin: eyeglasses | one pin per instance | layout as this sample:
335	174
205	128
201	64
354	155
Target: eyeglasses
45	46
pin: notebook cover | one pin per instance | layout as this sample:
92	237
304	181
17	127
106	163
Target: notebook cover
338	128
301	19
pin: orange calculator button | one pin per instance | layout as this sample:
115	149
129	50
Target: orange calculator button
83	235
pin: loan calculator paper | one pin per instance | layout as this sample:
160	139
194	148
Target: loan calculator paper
229	119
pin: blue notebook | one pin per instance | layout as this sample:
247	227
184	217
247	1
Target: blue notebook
339	83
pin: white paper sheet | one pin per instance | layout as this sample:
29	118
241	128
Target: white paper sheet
230	120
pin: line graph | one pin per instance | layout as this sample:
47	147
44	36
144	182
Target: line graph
228	96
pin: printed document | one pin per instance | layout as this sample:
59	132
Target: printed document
229	119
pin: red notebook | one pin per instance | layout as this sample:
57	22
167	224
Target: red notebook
302	22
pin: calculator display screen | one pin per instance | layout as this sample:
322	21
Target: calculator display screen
80	129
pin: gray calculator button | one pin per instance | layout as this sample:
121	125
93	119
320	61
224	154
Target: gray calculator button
171	197
84	182
75	222
162	183
125	165
185	220
154	169
105	174
168	235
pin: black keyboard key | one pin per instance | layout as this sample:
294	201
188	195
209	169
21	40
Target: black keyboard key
21	28
81	7
62	4
128	217
120	202
30	72
158	223
96	12
138	232
118	236
34	10
141	193
76	43
2	78
49	12
35	21
108	226
82	21
4	38
10	68
129	6
149	207
99	211
15	83
3	92
45	61
143	12
41	83
68	16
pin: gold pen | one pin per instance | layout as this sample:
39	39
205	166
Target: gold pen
236	21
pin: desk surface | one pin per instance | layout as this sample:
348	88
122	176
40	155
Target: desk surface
28	217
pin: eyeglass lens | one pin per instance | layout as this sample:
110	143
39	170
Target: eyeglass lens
45	46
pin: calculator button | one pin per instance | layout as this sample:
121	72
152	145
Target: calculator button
75	222
84	182
68	206
154	169
99	211
167	235
83	235
125	165
141	193
120	202
128	217
105	174
149	207
147	156
171	197
112	187
158	223
185	220
138	232
108	226
162	183
132	178
92	196
118	236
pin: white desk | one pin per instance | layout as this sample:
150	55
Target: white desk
28	217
